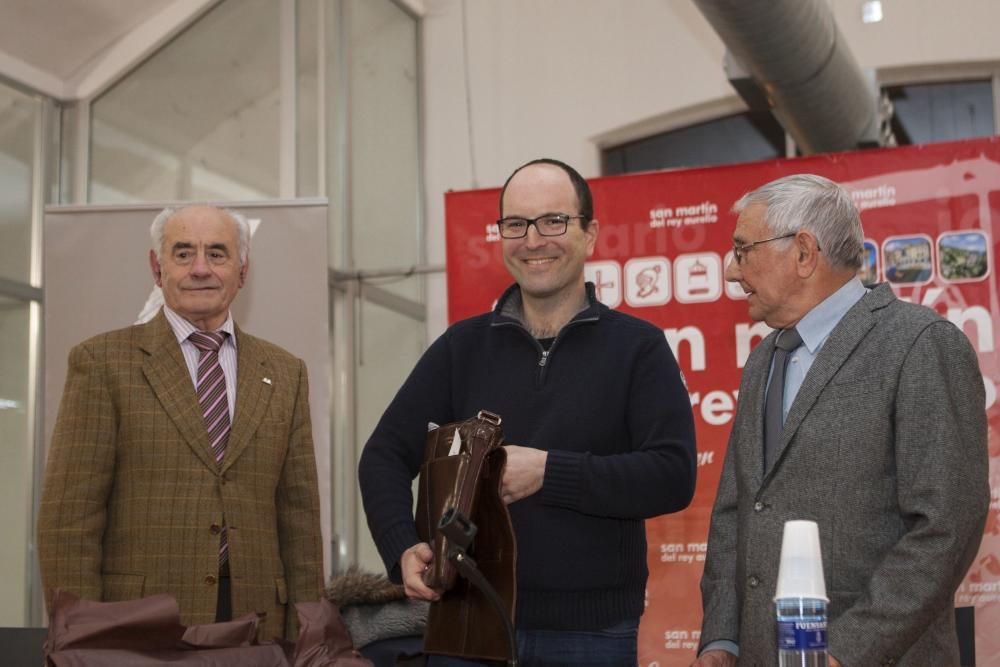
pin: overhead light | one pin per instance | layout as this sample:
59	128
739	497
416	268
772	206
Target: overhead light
871	11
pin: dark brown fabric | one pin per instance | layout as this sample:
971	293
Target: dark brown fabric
463	622
137	633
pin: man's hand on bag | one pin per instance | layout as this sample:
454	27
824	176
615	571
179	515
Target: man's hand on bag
524	472
715	658
412	565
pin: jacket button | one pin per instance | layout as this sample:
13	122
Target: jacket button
758	506
754	581
215	529
222	480
210	579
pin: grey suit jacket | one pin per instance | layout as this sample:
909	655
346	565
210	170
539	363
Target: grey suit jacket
885	448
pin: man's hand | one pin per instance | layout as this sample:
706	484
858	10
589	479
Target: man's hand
524	472
412	565
833	661
715	658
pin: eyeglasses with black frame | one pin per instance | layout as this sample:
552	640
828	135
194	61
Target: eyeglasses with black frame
741	249
550	224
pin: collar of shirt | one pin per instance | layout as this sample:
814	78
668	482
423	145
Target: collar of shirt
819	322
182	328
815	328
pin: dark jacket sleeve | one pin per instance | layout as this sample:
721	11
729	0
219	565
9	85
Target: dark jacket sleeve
657	475
392	456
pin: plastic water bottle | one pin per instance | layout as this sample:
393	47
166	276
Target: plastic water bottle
801	632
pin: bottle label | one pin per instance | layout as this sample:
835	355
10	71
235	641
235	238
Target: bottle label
801	635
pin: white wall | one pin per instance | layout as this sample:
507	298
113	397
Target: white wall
559	78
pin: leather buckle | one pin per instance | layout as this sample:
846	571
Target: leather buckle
490	417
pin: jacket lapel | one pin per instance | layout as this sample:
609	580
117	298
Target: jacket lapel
254	385
168	376
844	338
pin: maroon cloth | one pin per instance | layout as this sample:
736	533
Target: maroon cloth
137	633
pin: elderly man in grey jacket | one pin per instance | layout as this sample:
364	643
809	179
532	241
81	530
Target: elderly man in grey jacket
860	412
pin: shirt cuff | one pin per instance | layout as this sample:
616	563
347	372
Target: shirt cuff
722	645
561	484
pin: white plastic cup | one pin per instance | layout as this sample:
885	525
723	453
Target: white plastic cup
800	571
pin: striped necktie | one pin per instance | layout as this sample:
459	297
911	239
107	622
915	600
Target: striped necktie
211	389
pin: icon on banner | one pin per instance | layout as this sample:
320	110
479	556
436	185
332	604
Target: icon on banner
869	264
607	279
698	277
963	256
647	281
907	259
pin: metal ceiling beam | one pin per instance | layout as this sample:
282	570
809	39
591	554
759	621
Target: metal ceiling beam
135	46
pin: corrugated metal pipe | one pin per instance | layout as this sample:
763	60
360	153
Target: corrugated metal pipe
805	71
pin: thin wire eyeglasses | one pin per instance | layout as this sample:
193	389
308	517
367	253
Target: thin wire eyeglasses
740	250
550	224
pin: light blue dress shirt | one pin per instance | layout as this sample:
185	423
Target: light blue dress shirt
815	328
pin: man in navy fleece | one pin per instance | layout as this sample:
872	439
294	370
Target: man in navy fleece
596	401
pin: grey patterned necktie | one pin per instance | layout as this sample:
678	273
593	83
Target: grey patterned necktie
774	421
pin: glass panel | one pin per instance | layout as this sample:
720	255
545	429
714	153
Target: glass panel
307	86
926	113
385	203
18	116
741	138
389	348
199	119
371	116
15	452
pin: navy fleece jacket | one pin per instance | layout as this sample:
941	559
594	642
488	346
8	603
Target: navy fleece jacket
608	404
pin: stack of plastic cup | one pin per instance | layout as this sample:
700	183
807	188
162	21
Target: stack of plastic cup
800	572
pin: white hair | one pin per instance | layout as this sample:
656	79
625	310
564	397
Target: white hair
807	201
161	220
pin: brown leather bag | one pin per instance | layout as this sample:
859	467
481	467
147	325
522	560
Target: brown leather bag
463	622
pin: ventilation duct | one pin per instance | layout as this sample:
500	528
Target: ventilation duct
789	56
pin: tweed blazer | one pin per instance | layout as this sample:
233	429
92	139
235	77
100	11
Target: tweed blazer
885	448
133	498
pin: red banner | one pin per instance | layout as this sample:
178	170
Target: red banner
930	215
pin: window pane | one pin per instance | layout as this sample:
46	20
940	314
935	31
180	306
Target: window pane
385	204
741	138
307	87
18	114
389	348
15	452
926	113
199	119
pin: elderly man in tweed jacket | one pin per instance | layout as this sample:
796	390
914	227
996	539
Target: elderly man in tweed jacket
158	483
879	437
